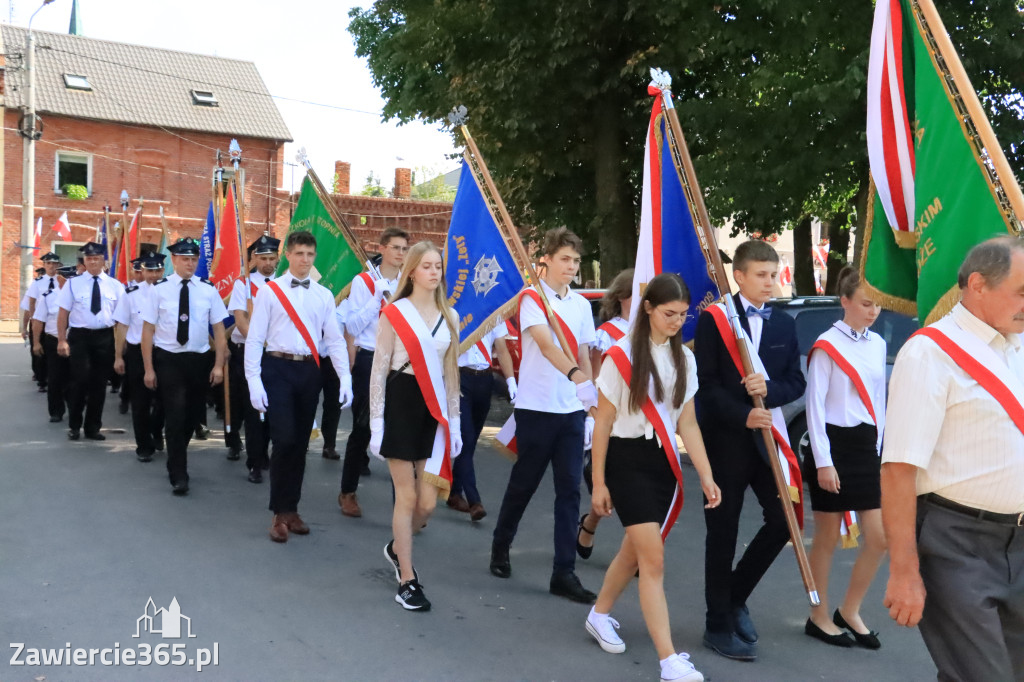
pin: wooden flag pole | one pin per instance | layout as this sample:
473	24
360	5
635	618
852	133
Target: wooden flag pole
138	231
511	235
106	228
717	272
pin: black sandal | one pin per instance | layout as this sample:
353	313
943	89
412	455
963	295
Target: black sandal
584	552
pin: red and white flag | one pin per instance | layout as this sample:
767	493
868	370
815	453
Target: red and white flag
889	131
63	227
227	253
37	235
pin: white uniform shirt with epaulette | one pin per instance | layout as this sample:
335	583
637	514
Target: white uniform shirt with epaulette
240	299
46	311
41	285
76	298
205	308
130	308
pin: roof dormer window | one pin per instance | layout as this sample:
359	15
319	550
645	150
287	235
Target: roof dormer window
204	98
77	82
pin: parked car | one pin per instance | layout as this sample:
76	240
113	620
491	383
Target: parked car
815	314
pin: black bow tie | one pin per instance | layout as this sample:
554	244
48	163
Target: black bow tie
304	283
764	312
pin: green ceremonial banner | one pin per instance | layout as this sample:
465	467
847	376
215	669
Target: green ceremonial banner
955	205
336	263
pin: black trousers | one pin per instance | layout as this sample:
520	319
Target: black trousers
39	373
91	362
257	433
238	394
57	369
293	391
147	408
726	587
474	404
182	381
332	406
359	439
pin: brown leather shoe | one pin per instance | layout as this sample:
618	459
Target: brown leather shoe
330	453
458	503
477	511
296	524
349	504
279	529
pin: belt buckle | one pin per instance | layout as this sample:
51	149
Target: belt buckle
296	358
1020	519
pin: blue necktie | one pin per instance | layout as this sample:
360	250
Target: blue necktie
764	312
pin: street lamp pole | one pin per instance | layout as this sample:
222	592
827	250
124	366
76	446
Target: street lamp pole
28	168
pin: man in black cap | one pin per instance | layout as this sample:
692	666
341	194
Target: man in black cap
147	411
85	334
44	345
263	256
45	281
175	339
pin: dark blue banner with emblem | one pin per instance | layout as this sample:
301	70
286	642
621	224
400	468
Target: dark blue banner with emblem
483	278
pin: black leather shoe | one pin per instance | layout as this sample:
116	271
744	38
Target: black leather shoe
144	456
234	453
73	434
868	641
729	645
179	487
202	433
568	585
841	640
500	564
56	418
330	453
95	436
743	626
122	407
255	475
158	443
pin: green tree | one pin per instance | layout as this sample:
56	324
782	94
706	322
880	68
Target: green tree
373	187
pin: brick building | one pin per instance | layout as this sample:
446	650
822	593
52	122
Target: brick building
127	117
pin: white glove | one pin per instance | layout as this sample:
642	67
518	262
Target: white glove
376	437
513	389
257	395
378	292
345	394
587	394
455	429
588	433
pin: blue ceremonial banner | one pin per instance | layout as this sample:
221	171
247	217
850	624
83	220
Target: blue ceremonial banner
668	234
206	243
481	275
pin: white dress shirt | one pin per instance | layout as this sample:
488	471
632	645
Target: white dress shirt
603	340
831	397
270	325
629	424
205	308
76	297
473	358
41	285
364	311
240	299
541	386
942	421
341	312
755	321
130	308
46	311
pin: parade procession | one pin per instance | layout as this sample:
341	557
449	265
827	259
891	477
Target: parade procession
840	476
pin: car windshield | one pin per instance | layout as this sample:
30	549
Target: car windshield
893	327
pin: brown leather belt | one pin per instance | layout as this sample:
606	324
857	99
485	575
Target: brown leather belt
290	356
980	514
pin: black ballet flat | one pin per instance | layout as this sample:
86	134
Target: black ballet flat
584	552
841	640
868	641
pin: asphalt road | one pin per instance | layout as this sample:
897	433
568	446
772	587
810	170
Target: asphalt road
88	535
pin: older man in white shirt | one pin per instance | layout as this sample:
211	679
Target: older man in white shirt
953	475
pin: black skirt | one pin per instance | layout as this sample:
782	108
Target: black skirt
409	427
640	480
855	457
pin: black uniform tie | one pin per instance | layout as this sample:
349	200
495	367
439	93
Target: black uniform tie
183	313
95	307
50	288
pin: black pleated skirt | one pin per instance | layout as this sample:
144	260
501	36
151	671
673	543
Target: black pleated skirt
859	468
640	480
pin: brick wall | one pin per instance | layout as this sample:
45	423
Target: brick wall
161	167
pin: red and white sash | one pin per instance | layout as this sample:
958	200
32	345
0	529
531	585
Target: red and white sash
981	362
848	527
296	320
659	416
788	460
429	373
371	285
484	350
615	328
506	436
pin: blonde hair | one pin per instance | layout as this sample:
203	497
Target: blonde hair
404	289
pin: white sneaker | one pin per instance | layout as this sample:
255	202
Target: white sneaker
602	628
677	668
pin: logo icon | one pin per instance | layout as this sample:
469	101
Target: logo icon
165	622
485	275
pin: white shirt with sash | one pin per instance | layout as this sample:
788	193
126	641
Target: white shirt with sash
364	309
76	298
609	333
476	357
130	308
161	309
954	430
240	298
831	395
